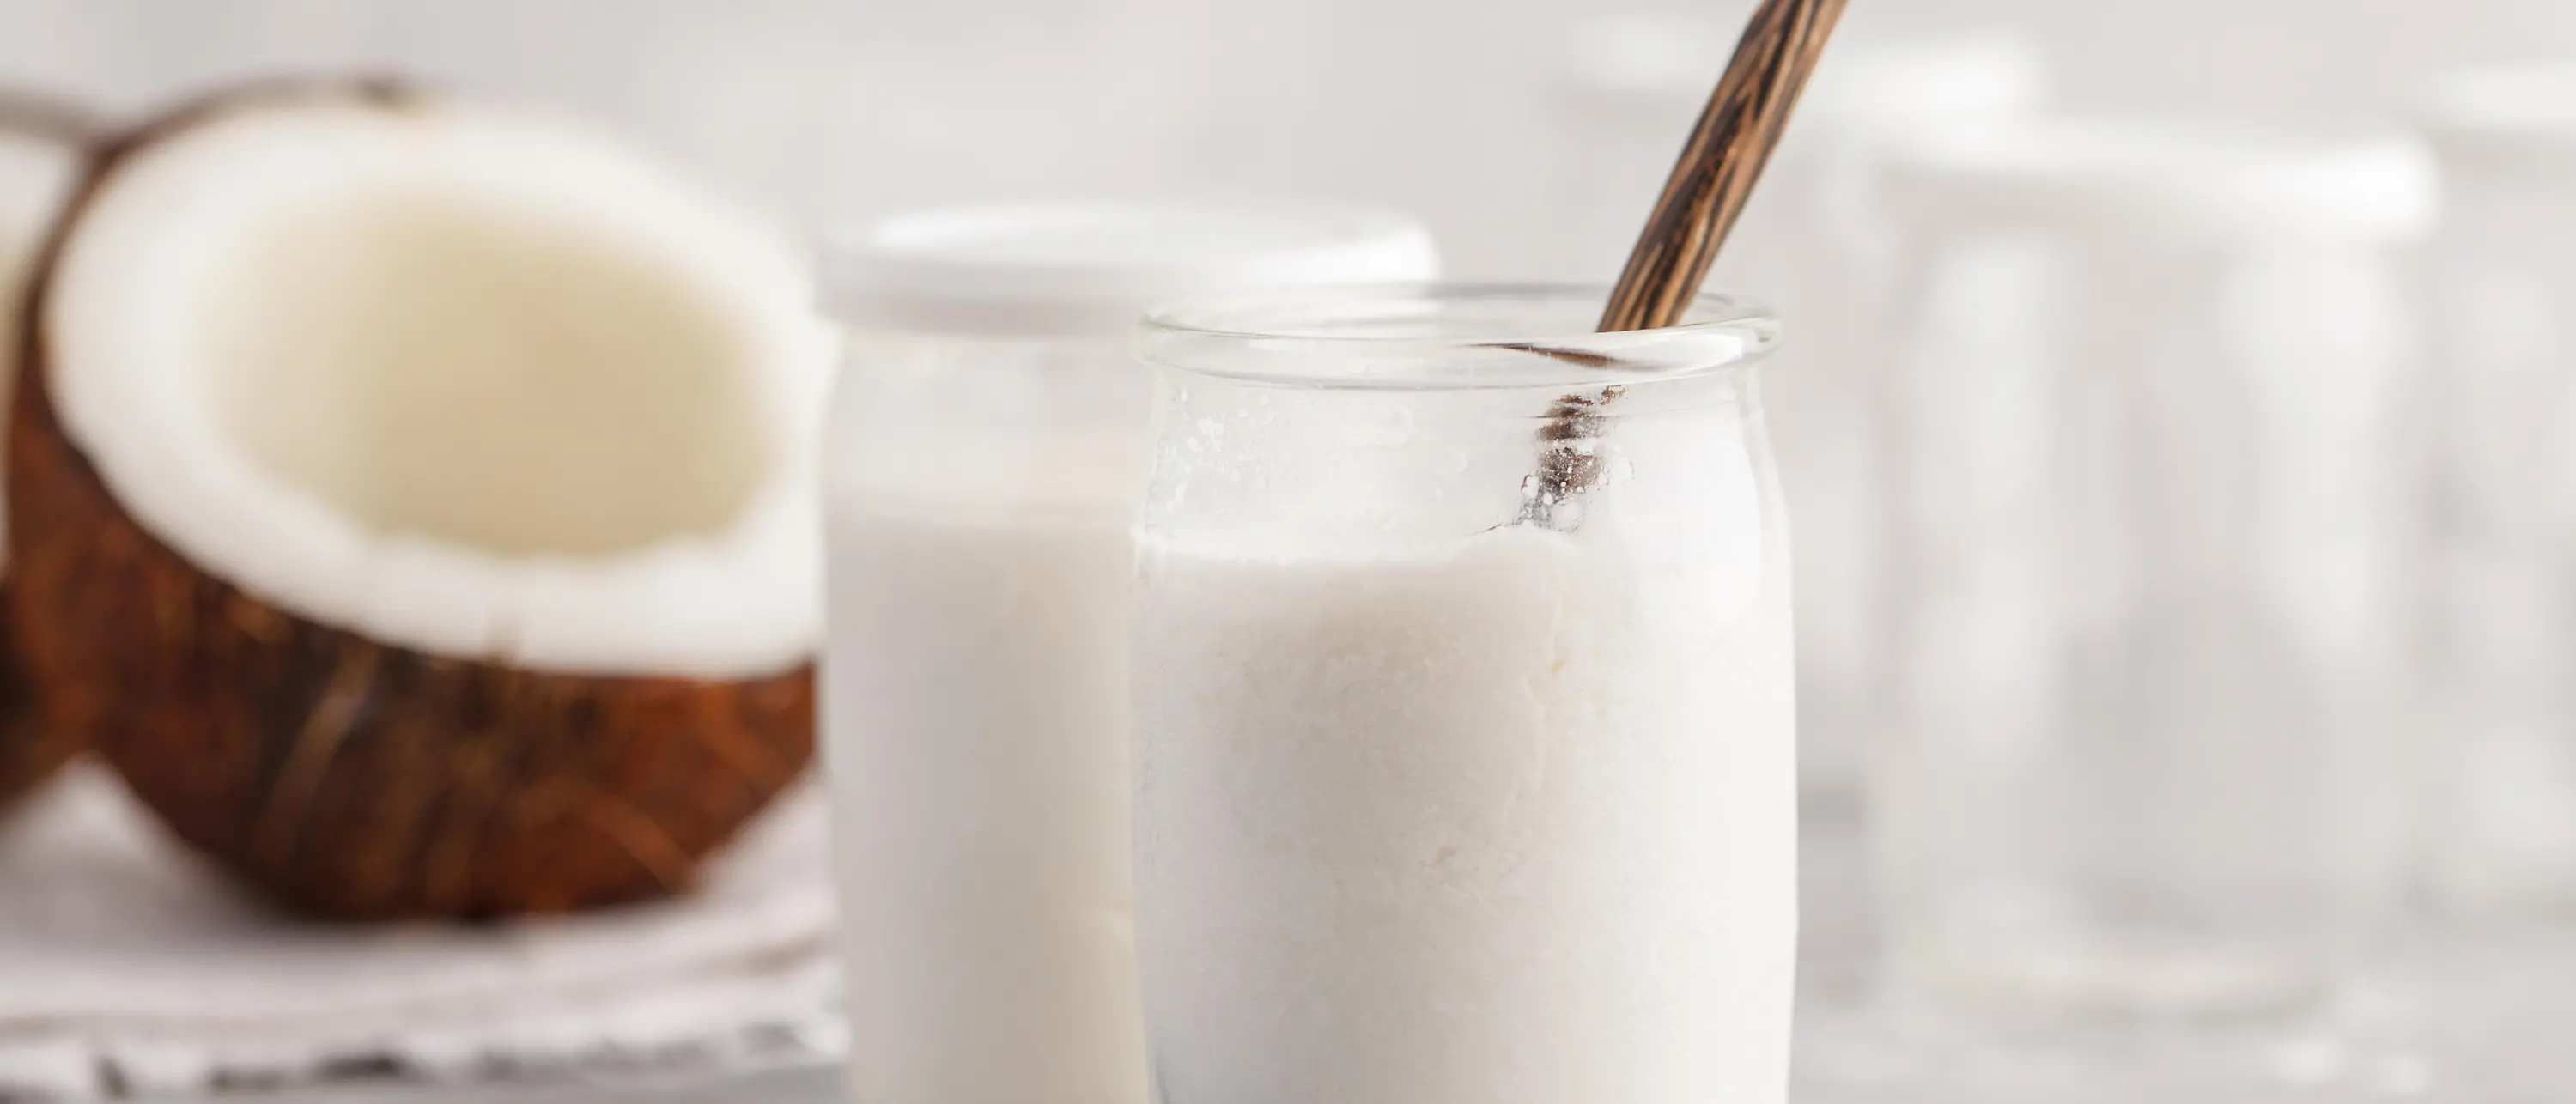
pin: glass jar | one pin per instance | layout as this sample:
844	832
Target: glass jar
986	448
2155	494
1463	686
2505	558
1813	244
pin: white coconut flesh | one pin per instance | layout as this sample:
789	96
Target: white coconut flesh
456	379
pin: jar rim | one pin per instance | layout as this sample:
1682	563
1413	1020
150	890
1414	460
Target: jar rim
1445	337
1073	268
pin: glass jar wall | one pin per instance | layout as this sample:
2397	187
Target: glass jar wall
2505	553
1465	751
2154	495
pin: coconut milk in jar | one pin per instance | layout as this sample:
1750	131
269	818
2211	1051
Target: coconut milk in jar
987	443
1466	767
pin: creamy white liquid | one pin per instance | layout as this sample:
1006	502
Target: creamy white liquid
1506	821
976	705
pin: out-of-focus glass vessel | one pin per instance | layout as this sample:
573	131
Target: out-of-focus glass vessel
2154	501
2504	282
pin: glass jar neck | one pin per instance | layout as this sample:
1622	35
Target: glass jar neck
1446	338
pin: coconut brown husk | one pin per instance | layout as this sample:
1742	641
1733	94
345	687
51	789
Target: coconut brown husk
30	751
340	776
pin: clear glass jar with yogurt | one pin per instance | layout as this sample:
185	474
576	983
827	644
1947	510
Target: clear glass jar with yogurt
1466	766
986	450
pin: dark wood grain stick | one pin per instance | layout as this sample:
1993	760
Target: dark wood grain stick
1737	131
1726	154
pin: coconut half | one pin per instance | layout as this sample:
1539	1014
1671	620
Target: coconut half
415	501
40	150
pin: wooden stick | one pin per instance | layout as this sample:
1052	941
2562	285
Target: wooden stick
1709	185
1726	154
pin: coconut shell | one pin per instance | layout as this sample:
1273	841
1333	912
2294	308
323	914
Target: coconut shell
340	776
30	751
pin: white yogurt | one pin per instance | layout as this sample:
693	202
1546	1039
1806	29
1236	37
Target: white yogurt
983	716
1507	820
987	444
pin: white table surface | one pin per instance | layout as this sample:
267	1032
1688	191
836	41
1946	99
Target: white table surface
2451	1015
2476	1018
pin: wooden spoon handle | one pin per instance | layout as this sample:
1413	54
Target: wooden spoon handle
1726	154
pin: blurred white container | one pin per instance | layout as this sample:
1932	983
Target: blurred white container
987	449
2154	495
1813	247
2505	286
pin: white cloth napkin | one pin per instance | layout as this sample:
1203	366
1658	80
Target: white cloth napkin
128	968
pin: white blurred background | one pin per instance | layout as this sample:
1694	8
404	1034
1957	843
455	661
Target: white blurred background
833	107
